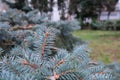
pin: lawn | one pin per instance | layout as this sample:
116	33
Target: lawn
104	45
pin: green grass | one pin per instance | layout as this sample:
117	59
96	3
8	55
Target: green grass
105	45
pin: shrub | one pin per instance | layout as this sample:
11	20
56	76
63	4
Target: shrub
106	25
118	24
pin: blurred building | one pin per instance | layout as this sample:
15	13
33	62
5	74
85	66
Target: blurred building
115	15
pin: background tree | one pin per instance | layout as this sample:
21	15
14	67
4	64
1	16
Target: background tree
18	4
43	5
109	5
90	8
81	8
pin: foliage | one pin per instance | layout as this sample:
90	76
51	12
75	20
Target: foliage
43	5
81	8
115	67
21	21
65	38
24	5
106	25
117	22
33	54
24	64
90	8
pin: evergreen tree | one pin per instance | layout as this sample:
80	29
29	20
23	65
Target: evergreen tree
30	49
36	56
